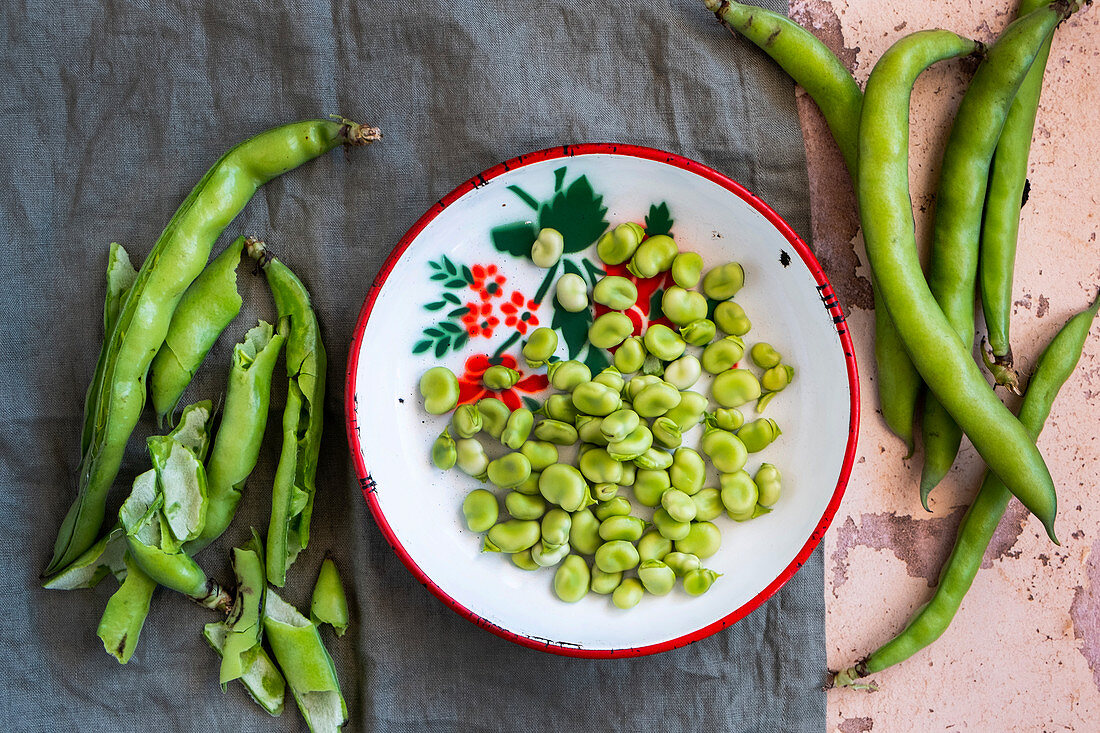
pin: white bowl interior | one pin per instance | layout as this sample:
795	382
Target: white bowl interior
422	504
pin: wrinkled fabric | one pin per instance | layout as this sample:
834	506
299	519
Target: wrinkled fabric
111	111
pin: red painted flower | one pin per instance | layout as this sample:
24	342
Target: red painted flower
639	312
487	281
470	388
479	319
517	315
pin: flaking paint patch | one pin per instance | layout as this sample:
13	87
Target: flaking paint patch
1085	614
1006	534
856	725
922	544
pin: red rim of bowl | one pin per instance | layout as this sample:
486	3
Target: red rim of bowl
828	298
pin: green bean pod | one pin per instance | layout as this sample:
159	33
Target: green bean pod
261	678
1001	218
975	532
123	618
245	620
309	669
329	603
960	199
209	304
174	262
817	70
295	477
236	448
933	344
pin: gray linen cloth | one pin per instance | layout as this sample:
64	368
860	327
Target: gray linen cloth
111	111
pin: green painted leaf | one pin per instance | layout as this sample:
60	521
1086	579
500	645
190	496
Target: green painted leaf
595	274
578	213
442	345
457	282
655	311
467	275
525	197
433	332
440	276
573	328
531	404
422	346
658	220
434	265
451	327
436	305
559	178
449	265
596	359
458	312
514	239
461	339
544	288
451	297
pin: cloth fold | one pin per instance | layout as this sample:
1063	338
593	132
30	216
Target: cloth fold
111	112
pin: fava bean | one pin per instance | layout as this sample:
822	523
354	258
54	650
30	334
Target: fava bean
622	528
617	293
605	583
679	505
777	378
444	453
654	458
723	354
610	329
531	485
494	415
630	355
698	333
703	540
524	561
510	470
684	372
759	434
735	387
564	485
618	245
698	581
616	556
517	428
656	400
723	282
498	377
567	375
524	506
556	432
572	579
689	412
765	356
619	424
767	481
652	546
670	528
439	388
557	527
632	388
683	306
605	491
593	398
515	535
628	594
666	433
686	269
480	509
653	256
572	292
632	446
466	421
708	505
612	378
656	577
599	467
739	492
728	418
649	485
731	318
588	430
548	248
471	458
546	557
560	407
664	343
725	450
688	471
763	401
540	453
584	533
681	563
540	346
618	506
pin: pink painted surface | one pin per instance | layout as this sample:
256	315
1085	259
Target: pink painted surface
1024	651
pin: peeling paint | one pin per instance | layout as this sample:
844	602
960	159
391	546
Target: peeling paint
856	725
1006	534
922	544
1085	614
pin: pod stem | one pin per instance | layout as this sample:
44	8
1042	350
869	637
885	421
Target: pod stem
257	250
1001	367
850	678
357	134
